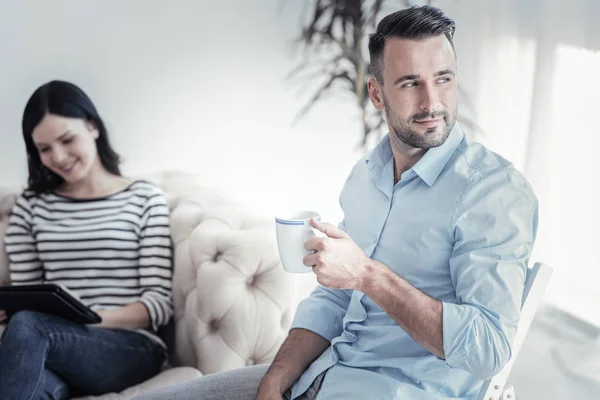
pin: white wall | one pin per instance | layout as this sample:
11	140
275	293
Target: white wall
197	85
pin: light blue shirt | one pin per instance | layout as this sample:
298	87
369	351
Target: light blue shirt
459	226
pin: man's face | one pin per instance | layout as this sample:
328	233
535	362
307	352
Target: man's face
419	91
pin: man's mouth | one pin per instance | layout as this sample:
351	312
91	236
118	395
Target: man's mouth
429	122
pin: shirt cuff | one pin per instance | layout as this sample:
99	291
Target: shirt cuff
317	317
456	324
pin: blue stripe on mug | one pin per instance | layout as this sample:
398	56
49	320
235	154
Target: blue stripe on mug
292	222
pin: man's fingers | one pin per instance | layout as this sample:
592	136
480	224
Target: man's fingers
330	230
312	243
310	260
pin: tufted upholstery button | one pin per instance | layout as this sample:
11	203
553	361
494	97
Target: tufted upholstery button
250	281
250	362
214	325
217	255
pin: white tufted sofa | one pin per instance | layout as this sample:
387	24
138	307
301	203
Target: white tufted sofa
233	302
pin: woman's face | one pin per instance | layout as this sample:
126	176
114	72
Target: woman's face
67	146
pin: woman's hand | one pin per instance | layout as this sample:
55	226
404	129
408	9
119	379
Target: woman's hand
132	316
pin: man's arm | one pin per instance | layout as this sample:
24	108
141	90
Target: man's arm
297	352
495	226
417	313
317	321
495	229
341	264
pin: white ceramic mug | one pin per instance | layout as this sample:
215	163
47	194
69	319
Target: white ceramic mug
292	231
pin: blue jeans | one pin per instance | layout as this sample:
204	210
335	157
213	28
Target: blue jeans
47	357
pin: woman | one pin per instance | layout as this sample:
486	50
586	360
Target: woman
82	225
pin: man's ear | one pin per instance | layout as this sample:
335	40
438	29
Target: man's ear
375	93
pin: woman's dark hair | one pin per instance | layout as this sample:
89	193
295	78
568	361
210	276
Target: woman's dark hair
416	22
66	100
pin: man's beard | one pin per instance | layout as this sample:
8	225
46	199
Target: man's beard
432	137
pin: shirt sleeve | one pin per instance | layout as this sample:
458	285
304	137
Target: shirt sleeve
324	310
156	261
24	263
495	228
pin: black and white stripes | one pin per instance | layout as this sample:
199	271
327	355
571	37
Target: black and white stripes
112	251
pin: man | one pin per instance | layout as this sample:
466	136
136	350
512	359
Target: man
421	285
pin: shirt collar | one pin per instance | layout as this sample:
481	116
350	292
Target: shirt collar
429	167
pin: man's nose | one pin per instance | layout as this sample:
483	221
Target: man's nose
429	101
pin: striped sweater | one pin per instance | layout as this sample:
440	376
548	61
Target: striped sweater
112	251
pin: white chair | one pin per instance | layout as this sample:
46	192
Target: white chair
535	286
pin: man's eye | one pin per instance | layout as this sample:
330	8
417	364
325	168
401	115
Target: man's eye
67	141
444	80
409	84
44	150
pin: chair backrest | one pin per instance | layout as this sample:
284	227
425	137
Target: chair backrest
535	285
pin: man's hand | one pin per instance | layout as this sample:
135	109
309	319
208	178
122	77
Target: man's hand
2	316
297	352
266	393
274	396
338	262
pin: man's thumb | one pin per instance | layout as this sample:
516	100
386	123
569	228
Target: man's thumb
330	230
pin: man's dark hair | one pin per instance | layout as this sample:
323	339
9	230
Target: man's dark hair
416	22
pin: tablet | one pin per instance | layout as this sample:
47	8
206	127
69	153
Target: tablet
48	298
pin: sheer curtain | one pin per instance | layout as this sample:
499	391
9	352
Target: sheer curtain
530	69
